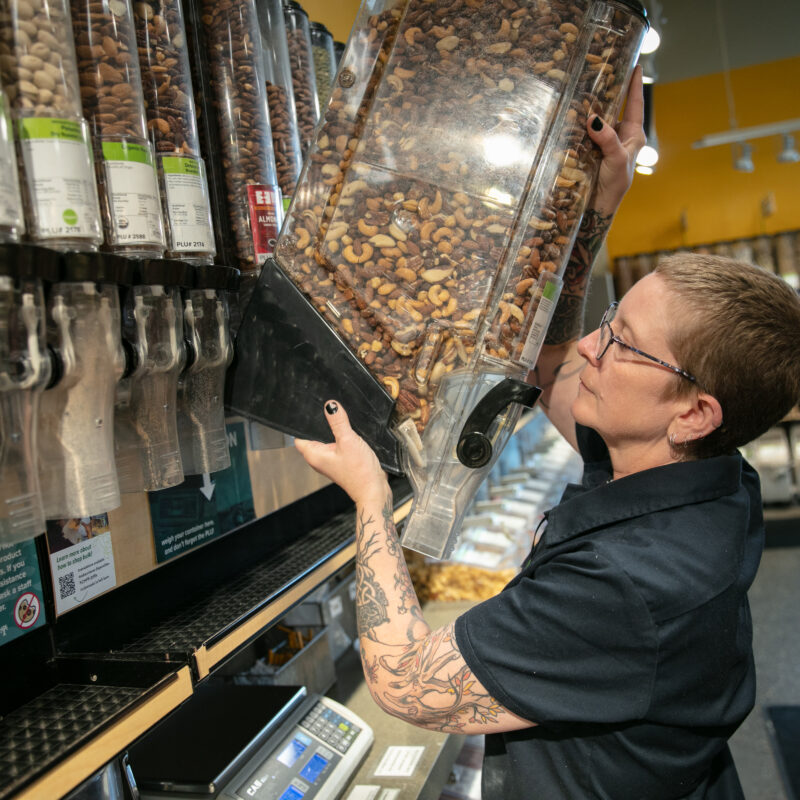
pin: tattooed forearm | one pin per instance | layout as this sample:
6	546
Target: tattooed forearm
413	673
430	686
567	323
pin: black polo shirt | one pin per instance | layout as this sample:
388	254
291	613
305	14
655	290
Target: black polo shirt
626	636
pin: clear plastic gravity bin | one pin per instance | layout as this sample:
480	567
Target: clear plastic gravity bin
430	228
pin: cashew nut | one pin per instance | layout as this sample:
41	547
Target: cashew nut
366	228
350	254
303	238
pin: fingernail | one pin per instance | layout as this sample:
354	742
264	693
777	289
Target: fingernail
331	408
597	124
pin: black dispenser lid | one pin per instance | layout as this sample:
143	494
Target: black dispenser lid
30	261
292	5
288	362
96	267
318	27
163	272
213	277
636	6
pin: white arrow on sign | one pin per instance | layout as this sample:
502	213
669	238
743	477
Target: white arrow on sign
208	487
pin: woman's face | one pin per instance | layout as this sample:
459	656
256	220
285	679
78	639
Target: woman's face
624	396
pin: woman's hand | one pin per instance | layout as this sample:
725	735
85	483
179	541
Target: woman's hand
620	148
349	461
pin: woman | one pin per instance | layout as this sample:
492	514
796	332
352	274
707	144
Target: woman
618	662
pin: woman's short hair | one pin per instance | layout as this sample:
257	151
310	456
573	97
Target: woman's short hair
738	332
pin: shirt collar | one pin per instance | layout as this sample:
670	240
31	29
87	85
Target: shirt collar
594	506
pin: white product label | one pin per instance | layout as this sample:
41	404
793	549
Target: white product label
61	181
188	205
133	194
548	290
10	202
399	762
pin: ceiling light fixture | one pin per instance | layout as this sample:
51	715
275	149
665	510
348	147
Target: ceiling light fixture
789	154
647	157
651	41
743	157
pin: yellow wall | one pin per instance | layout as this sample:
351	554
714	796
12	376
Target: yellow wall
337	16
719	203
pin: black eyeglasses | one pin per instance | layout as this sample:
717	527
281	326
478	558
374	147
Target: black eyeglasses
607	336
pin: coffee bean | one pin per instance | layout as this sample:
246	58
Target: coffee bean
235	62
303	80
166	77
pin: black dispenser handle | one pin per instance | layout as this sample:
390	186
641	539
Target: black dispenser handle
474	449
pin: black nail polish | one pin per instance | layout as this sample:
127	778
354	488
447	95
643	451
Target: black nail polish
331	408
597	124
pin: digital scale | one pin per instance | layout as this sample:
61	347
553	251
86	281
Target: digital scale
251	742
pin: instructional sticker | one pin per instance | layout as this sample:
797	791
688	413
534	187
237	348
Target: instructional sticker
60	177
81	560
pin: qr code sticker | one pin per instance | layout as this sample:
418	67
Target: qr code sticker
66	584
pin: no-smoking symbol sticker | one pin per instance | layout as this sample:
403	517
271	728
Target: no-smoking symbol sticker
26	610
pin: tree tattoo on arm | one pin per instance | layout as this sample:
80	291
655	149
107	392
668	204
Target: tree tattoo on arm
414	673
567	323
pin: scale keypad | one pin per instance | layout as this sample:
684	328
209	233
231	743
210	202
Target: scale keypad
331	727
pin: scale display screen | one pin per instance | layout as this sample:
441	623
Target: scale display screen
312	770
292	793
291	752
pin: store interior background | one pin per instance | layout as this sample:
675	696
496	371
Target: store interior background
696	197
700	187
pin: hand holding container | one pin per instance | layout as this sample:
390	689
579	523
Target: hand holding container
437	211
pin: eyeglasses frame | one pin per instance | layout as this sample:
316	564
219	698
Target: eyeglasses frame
613	338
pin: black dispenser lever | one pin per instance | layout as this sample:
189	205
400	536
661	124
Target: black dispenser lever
474	449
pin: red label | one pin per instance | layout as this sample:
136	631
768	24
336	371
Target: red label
266	216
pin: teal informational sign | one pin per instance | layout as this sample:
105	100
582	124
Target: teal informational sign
204	506
21	599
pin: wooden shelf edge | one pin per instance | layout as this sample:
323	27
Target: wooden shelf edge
206	658
101	749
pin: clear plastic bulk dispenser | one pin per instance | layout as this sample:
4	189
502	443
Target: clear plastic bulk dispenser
77	474
113	102
24	371
12	221
201	389
148	453
39	73
430	229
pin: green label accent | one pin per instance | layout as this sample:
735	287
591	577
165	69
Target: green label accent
125	151
549	291
70	217
50	128
21	596
176	165
287	201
